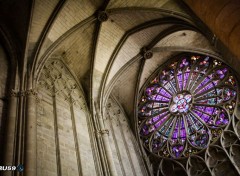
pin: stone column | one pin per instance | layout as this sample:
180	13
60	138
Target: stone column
104	134
30	160
9	149
71	103
102	161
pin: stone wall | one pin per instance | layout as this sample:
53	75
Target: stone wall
63	138
3	84
46	147
124	147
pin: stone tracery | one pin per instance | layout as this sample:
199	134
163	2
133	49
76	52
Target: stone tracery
186	106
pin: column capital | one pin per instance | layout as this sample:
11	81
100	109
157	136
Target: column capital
13	93
24	93
30	92
102	132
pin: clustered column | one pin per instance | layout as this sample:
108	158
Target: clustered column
9	149
30	160
11	155
104	134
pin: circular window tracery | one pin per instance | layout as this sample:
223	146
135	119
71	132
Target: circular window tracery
186	106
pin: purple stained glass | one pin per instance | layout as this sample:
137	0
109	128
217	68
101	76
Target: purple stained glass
181	106
177	150
186	76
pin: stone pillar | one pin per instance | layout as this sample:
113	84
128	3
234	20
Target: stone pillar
104	134
58	156
30	160
103	166
71	103
223	18
9	146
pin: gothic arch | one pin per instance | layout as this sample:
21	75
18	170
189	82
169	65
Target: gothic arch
64	125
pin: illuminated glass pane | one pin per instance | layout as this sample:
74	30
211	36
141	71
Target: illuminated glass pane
183	105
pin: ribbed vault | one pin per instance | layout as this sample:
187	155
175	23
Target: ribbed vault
107	56
112	47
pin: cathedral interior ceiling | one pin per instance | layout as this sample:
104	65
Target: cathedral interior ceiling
106	56
104	50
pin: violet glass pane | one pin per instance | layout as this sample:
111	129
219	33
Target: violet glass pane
205	88
161	121
202	84
209	110
177	150
186	76
182	117
180	84
206	118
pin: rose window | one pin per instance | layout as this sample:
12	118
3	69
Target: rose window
186	106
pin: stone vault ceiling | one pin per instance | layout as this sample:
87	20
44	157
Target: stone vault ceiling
106	56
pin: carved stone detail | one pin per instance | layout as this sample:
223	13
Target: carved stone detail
218	161
102	132
146	53
168	167
14	93
30	92
56	75
196	166
102	16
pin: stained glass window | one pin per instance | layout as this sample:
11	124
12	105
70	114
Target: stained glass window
186	106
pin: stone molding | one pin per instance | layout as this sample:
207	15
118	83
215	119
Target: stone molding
102	16
146	53
102	132
15	93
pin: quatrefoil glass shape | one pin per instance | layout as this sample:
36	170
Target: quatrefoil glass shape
181	103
